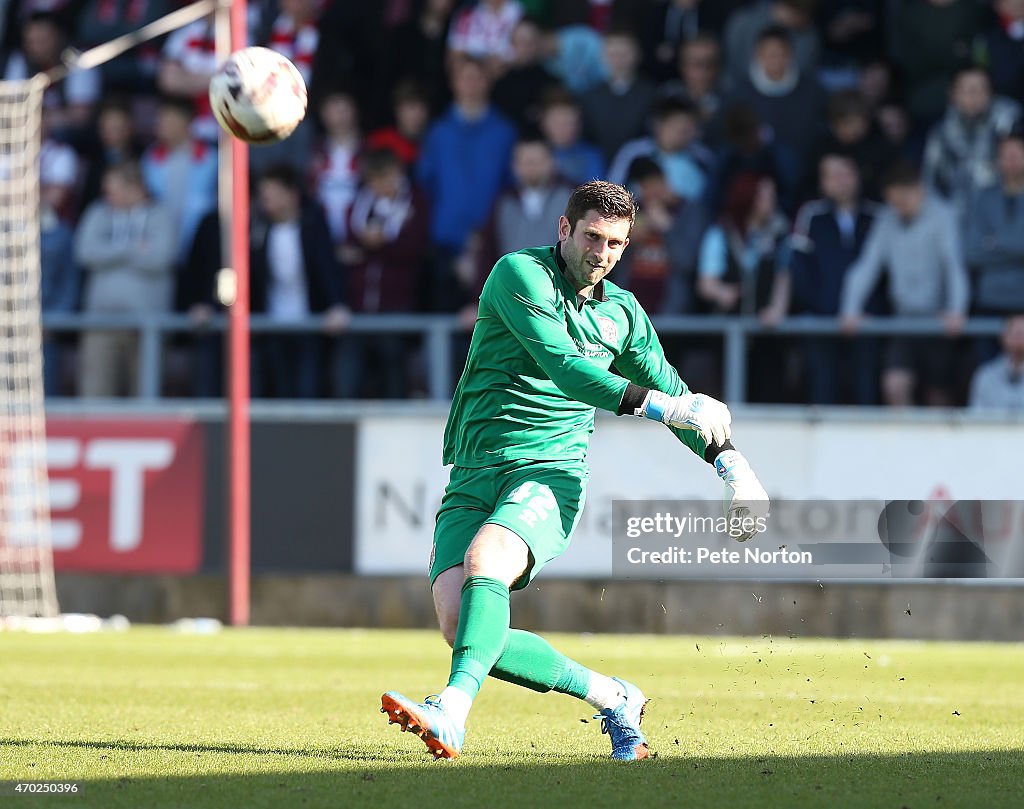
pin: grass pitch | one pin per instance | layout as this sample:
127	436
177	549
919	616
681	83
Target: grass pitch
281	718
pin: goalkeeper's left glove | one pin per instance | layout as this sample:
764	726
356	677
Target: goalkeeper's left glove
748	504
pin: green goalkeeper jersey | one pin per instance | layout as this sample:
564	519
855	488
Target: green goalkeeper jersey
539	363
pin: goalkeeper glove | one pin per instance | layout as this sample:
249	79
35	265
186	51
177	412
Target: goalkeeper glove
748	501
692	411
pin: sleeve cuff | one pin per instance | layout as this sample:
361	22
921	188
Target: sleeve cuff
632	399
712	451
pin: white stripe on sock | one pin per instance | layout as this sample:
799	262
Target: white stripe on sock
604	692
456	704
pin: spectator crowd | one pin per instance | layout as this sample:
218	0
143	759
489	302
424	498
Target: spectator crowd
838	158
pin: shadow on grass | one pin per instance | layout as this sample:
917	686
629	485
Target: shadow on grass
375	775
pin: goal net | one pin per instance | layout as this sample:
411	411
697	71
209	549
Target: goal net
26	562
27	588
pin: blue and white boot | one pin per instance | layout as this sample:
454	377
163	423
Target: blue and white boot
622	724
428	720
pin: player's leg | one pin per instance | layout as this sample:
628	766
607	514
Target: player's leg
530	661
540	504
468	502
496	557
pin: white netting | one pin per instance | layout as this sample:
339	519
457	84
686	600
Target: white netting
26	563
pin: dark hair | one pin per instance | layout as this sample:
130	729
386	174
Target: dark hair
741	127
284	174
128	171
530	136
558	96
836	154
611	201
741	196
847	104
379	161
973	68
410	90
623	32
1016	134
184	106
669	107
702	38
901	175
47	18
805	7
116	103
775	32
644	168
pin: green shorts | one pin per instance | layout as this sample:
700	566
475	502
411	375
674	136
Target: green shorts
541	501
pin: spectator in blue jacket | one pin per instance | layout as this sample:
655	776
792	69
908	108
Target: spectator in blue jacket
827	239
180	172
462	169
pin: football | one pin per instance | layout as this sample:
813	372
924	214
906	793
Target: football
258	96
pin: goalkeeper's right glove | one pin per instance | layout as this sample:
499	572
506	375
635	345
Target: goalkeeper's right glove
748	501
692	411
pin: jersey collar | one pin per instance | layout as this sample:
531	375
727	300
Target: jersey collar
599	296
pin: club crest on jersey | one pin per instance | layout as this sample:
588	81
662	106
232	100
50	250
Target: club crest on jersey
609	331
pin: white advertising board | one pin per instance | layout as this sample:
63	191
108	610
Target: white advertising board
400	479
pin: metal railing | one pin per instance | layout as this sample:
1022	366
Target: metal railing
437	332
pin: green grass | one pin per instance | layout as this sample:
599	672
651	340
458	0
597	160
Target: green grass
282	718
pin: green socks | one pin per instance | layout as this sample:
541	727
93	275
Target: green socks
484	645
482	633
530	661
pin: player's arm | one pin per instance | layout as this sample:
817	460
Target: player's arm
652	377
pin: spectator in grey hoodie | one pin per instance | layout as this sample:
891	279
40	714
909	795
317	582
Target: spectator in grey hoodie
915	240
126	245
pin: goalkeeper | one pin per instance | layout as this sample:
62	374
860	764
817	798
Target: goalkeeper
549	328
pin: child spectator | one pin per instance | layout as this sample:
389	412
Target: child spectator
126	245
335	164
660	265
687	163
115	143
404	137
180	172
575	160
388	234
743	268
